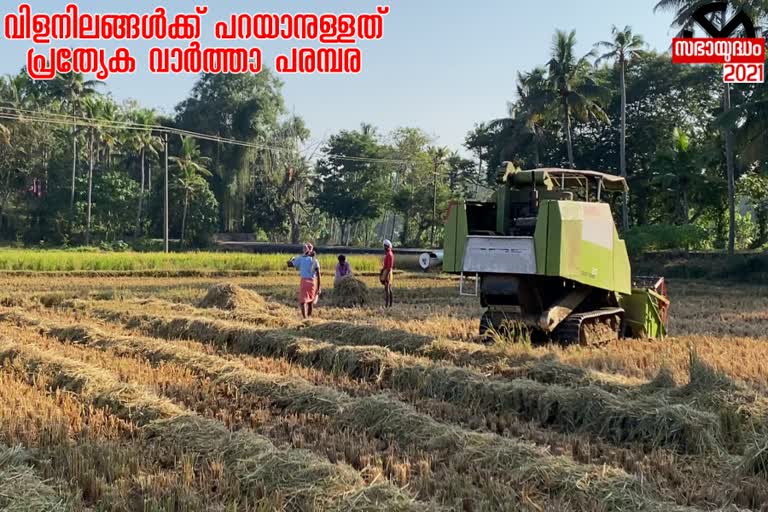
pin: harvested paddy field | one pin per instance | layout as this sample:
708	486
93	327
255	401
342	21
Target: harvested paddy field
121	392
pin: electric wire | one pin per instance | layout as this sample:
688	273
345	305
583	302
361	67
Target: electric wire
19	114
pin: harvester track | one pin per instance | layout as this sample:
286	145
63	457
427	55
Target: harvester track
590	328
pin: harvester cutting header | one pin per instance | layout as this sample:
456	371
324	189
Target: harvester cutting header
545	252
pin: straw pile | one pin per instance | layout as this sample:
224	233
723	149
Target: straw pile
231	297
620	419
364	362
95	385
297	474
496	360
304	480
350	292
14	301
20	488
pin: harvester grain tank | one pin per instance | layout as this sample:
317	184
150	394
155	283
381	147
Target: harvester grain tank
545	253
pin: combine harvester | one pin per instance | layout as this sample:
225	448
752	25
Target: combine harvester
545	253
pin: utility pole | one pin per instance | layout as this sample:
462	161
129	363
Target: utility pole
90	191
434	201
165	206
74	172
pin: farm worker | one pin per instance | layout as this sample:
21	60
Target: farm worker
309	287
343	270
386	273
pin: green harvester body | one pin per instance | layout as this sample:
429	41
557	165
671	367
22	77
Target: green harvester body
545	252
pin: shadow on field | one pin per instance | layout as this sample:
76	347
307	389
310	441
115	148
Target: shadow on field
286	294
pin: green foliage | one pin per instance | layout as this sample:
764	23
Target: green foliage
201	213
116	246
664	237
352	190
243	107
752	190
113	205
202	216
566	111
746	231
277	203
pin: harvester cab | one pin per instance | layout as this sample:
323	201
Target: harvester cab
544	253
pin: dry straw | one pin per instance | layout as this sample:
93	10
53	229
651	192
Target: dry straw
349	293
232	297
305	480
649	420
755	461
21	490
512	462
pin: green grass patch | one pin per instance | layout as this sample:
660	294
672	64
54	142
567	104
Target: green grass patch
69	261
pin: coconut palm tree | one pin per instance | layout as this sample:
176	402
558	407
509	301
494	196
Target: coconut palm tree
192	167
678	165
533	106
684	10
145	143
92	109
110	138
103	139
525	125
72	89
577	91
623	47
10	96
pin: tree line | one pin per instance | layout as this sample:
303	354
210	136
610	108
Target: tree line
80	168
692	150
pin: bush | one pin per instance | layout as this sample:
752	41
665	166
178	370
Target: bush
116	246
148	245
660	237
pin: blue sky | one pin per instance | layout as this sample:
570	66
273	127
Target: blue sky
442	65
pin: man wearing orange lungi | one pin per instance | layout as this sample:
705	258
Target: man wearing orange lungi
309	287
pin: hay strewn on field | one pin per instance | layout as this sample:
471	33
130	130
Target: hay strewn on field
507	459
350	292
755	460
307	482
510	461
20	488
663	380
231	297
447	413
650	420
254	458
